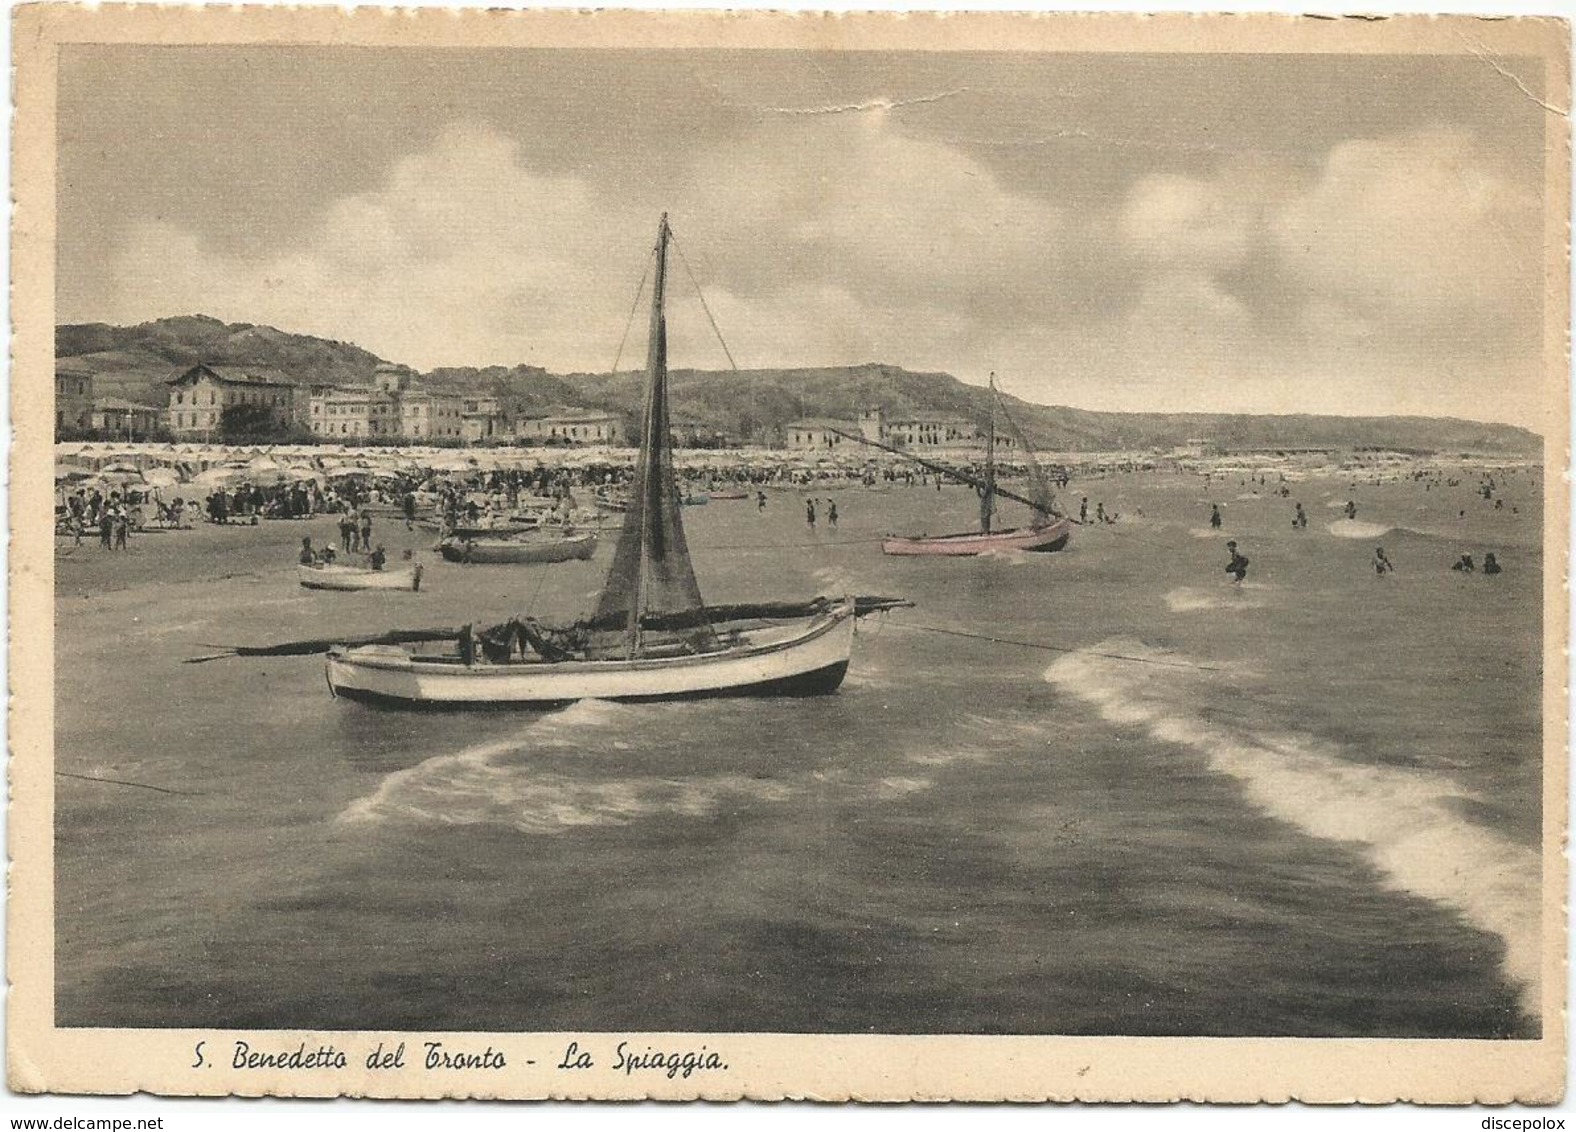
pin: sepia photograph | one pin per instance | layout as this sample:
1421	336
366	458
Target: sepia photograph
603	553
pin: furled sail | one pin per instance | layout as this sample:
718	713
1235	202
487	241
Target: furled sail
1039	484
651	571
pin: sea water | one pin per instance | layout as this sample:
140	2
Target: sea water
1156	803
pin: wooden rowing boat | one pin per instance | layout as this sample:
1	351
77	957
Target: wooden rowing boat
518	551
338	577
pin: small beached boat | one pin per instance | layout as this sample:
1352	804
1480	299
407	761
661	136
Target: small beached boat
337	577
503	551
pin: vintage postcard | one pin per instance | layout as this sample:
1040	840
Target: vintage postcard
866	557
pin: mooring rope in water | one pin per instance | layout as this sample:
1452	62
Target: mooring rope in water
126	782
1041	646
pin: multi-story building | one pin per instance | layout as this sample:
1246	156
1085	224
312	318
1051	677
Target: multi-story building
355	412
73	398
481	419
430	415
200	395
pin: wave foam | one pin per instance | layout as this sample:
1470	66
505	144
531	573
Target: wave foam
1406	823
1190	599
1356	528
484	785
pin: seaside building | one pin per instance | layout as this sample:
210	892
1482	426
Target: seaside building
430	414
481	419
199	396
572	426
938	430
819	433
73	398
917	430
126	420
416	411
355	412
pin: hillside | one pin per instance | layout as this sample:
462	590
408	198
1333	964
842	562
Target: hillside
135	361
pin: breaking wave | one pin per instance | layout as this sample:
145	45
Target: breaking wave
486	784
1406	823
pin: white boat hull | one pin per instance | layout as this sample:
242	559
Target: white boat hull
802	660
356	578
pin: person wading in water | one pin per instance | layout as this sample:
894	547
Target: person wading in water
1238	566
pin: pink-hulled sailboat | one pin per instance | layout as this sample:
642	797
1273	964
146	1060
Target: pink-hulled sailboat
1047	530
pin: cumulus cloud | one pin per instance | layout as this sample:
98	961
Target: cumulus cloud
1398	275
1426	228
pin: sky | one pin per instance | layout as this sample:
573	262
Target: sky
1246	233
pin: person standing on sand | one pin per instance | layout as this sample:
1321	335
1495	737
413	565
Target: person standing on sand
831	513
809	513
1083	510
1238	566
366	531
1382	564
1214	516
1351	509
760	501
410	510
1299	521
106	526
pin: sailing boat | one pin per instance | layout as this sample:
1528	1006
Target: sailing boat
1047	530
651	637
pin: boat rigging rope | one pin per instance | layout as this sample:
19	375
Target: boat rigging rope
1057	648
633	307
701	295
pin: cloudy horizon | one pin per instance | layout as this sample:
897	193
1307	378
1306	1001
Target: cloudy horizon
1360	235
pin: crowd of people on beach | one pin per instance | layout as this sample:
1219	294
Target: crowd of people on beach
455	499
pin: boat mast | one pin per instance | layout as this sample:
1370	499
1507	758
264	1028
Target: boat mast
988	493
651	438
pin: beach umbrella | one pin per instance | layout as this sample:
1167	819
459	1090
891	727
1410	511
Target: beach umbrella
218	477
161	477
301	474
121	467
121	479
346	473
71	473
